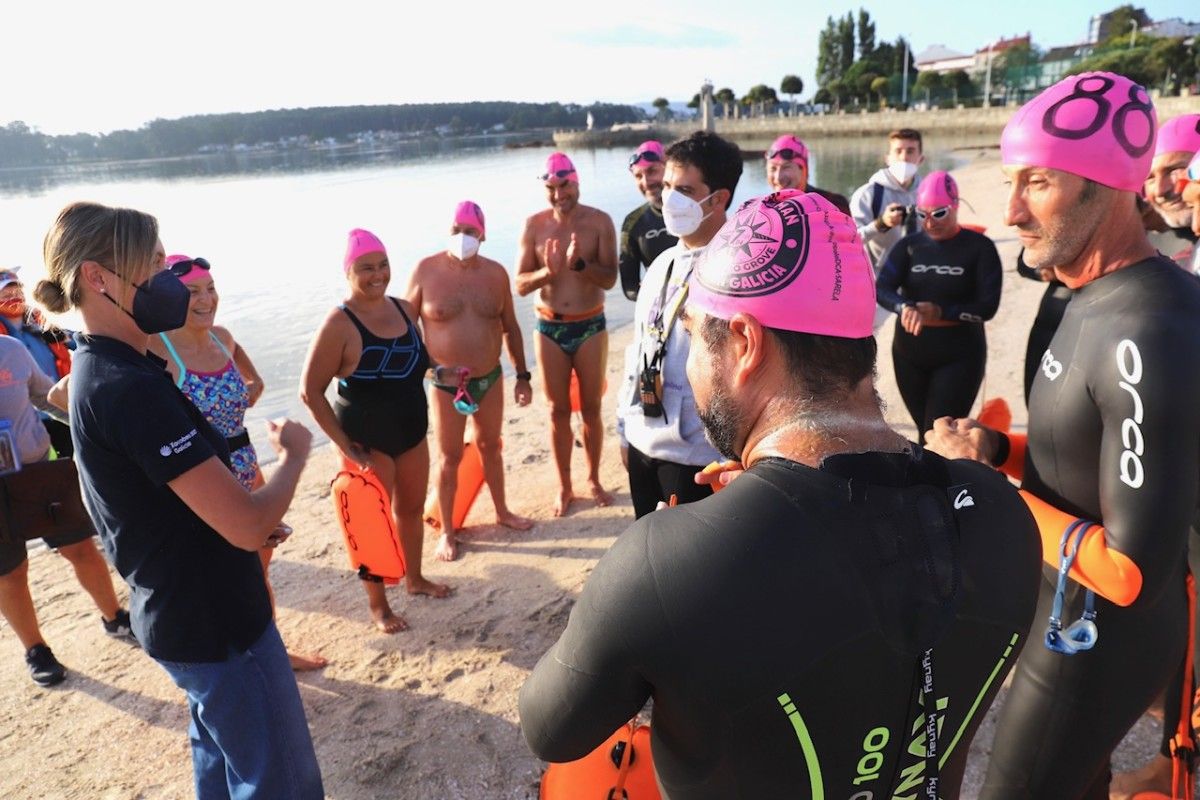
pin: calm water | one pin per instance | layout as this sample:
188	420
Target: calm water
274	226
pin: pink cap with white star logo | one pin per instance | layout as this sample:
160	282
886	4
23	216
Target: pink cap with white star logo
792	261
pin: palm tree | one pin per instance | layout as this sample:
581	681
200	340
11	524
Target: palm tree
791	85
727	99
663	106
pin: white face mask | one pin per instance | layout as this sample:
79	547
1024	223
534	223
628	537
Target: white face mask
902	171
681	213
463	246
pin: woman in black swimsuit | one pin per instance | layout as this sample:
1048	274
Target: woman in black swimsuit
380	417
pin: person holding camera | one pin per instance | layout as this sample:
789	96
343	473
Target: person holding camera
882	206
662	437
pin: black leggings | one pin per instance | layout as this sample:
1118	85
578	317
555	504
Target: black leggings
939	371
1064	715
652	481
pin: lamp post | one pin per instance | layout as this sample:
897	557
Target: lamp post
904	79
1133	28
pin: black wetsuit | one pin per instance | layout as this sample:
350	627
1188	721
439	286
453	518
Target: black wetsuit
839	200
780	625
939	370
1049	314
1114	437
643	237
382	404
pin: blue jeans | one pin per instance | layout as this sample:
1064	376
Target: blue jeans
248	732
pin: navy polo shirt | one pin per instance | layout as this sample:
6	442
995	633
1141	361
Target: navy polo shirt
193	595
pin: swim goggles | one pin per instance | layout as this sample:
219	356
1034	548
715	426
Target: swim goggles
1081	634
181	268
463	402
937	213
562	173
786	153
649	156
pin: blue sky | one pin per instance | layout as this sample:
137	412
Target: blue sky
73	65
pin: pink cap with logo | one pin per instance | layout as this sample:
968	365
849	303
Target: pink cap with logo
1180	135
469	213
192	274
1097	125
792	261
937	189
358	244
559	169
788	142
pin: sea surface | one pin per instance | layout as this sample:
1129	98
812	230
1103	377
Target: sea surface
274	225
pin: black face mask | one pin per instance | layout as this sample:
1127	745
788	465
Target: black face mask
160	304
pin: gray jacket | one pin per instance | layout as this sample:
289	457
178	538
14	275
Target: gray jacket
879	242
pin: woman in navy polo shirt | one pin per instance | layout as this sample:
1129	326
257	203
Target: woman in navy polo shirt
172	517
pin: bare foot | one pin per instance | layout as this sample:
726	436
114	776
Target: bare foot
425	587
447	547
388	621
601	497
306	663
564	502
1155	776
511	520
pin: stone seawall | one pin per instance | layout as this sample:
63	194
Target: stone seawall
759	132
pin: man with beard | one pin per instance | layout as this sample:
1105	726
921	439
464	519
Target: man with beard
1111	465
644	235
1177	142
568	255
843	557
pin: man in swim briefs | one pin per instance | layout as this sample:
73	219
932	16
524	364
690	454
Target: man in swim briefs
465	304
568	254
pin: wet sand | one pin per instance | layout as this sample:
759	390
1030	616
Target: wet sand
429	713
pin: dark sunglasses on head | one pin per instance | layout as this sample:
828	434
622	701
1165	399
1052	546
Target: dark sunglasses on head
562	173
937	213
181	268
646	155
786	153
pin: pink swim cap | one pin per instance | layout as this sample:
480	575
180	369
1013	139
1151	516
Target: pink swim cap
788	142
195	273
792	261
359	243
651	147
559	169
1180	135
937	189
1097	125
468	213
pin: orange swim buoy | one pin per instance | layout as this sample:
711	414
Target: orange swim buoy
470	481
364	512
622	767
576	403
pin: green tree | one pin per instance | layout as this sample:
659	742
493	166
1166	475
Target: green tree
664	107
928	82
829	63
727	99
959	82
823	97
837	90
866	34
791	85
845	42
863	84
879	87
1171	58
1120	25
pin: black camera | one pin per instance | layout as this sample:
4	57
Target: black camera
650	392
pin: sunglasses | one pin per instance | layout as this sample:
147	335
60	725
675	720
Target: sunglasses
562	173
937	213
181	268
649	156
786	153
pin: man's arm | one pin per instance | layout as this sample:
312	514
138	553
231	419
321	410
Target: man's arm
988	279
630	259
893	273
603	271
529	277
514	343
413	292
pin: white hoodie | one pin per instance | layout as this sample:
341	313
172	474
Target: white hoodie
879	242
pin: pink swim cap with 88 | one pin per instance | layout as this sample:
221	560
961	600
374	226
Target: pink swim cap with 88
937	189
792	261
1097	125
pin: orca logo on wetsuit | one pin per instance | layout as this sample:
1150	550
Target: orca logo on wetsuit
939	269
654	233
1051	366
767	246
1129	364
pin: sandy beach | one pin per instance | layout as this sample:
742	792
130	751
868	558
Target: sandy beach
432	712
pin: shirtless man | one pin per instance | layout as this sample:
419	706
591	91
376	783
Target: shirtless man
465	305
569	253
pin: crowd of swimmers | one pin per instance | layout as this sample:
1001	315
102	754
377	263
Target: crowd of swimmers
788	545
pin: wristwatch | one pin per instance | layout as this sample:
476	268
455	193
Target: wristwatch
579	265
524	376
